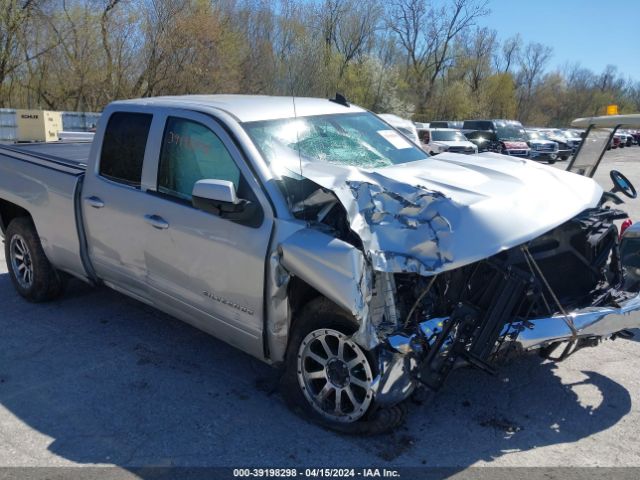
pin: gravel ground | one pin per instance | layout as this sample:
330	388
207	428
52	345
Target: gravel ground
97	378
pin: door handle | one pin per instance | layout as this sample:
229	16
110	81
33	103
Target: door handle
95	202
156	222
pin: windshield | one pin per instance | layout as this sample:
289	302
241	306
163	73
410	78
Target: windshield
511	131
358	139
448	136
537	136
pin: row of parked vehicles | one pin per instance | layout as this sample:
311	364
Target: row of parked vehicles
625	138
501	136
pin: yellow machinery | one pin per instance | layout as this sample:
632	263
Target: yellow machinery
38	125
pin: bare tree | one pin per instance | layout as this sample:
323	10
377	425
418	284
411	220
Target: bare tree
355	31
15	49
532	61
426	34
478	48
508	55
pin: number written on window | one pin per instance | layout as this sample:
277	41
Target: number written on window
191	152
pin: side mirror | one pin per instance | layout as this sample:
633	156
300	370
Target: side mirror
216	196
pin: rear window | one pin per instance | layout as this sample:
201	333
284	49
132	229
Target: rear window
125	140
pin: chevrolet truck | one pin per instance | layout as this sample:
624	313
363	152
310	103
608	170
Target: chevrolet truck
314	236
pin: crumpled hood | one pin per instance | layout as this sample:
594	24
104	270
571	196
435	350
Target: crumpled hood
452	210
515	145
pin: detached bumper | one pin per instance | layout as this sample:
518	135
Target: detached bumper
589	322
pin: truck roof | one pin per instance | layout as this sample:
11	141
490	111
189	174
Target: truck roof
251	108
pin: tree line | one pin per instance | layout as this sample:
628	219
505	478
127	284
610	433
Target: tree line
421	59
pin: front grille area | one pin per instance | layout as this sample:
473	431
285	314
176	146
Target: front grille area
518	153
545	147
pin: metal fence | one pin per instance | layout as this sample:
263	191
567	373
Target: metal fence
71	122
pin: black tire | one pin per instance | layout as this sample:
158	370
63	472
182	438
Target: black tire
45	282
551	162
321	314
564	158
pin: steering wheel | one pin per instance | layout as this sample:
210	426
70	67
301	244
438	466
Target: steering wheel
622	184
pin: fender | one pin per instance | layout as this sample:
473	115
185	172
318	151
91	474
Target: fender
335	268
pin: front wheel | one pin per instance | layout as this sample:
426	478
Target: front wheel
32	275
329	378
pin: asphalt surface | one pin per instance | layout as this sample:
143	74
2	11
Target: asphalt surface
97	378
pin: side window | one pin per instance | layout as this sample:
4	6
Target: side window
191	152
125	140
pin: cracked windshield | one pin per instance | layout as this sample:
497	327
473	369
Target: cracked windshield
358	140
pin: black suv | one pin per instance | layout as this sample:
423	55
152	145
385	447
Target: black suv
501	136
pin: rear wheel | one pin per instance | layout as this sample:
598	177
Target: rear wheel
29	269
329	378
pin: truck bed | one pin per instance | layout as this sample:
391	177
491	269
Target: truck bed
69	157
44	180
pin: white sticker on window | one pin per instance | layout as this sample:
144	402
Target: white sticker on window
394	138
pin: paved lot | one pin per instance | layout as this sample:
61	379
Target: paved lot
96	378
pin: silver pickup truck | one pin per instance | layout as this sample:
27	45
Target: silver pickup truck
314	236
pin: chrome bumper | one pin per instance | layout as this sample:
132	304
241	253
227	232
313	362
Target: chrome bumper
589	322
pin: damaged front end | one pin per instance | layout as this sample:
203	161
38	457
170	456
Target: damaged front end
564	288
555	294
443	261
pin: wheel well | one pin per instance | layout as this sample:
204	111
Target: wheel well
9	211
300	293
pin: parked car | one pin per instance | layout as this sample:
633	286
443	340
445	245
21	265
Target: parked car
322	241
406	127
455	124
541	147
622	139
440	140
626	137
566	147
501	136
614	142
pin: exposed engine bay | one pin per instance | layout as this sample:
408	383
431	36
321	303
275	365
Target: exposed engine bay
475	313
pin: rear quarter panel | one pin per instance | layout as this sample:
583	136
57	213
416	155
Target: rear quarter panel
48	195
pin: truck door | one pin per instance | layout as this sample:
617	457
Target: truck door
113	201
205	268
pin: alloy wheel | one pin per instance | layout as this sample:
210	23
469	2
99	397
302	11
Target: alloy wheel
335	375
21	261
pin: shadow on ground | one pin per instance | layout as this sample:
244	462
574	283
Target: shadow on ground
99	378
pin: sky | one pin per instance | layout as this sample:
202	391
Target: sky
594	33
